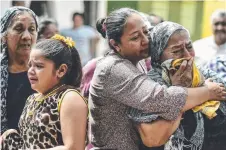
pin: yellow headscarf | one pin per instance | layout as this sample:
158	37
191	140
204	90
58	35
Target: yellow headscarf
208	108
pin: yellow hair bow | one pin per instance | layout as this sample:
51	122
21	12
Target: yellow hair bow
67	40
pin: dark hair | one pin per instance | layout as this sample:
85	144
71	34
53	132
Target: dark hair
60	53
43	25
101	27
151	20
115	23
15	3
77	14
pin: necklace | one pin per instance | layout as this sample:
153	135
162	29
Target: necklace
40	99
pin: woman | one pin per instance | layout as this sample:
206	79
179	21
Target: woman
47	28
172	41
18	35
119	82
56	116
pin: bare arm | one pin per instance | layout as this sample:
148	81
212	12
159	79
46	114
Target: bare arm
73	119
196	96
73	116
161	129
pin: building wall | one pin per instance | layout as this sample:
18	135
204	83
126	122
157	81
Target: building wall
194	15
63	11
112	5
5	4
209	8
186	13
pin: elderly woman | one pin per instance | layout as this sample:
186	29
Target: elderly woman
119	82
18	35
172	41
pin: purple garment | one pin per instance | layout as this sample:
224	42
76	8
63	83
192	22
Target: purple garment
88	71
218	64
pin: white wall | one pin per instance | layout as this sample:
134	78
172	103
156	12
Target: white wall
5	4
64	11
102	44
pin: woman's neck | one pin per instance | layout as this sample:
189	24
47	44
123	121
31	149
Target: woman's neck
18	65
134	62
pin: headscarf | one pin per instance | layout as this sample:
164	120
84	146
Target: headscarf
6	20
160	36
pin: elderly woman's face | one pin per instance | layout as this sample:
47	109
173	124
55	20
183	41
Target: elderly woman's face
179	46
21	34
134	41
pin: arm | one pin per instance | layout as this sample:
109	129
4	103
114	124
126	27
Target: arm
73	116
165	128
73	120
161	129
127	85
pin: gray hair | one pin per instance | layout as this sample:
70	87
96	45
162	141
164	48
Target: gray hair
219	13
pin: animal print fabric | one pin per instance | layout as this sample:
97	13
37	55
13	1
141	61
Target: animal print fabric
41	129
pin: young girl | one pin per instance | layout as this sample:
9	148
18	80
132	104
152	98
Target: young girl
56	116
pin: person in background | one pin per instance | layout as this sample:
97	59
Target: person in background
18	35
171	41
119	82
84	36
218	64
47	28
215	45
55	117
155	19
18	3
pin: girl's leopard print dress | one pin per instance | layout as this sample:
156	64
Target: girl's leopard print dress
39	124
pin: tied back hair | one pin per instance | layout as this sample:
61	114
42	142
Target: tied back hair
115	24
101	27
60	53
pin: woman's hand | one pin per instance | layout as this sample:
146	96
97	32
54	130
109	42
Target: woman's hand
182	76
217	91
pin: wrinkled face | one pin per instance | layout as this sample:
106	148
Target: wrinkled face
134	40
179	46
78	21
42	73
50	31
21	35
219	30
